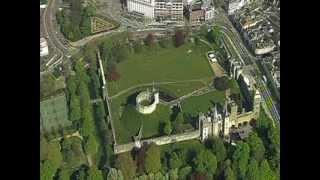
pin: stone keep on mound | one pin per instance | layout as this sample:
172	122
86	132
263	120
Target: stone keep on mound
146	101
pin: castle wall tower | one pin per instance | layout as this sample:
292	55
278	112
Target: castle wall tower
233	112
256	104
205	127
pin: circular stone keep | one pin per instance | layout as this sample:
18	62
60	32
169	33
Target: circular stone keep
147	102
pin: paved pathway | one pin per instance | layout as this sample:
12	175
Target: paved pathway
157	83
75	134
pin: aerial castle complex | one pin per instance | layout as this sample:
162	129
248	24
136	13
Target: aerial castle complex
219	123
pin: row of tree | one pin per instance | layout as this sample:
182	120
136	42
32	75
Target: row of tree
75	22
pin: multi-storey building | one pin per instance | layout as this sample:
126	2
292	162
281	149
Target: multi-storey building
200	12
168	10
235	5
159	10
143	7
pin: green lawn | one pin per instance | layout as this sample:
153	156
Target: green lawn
234	86
162	64
203	103
125	128
128	125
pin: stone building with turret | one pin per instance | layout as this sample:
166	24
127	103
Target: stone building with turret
220	123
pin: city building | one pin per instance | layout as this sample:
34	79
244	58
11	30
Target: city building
44	50
256	28
196	15
143	7
200	12
234	5
166	11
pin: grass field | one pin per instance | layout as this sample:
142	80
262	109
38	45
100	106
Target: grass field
161	65
203	103
129	123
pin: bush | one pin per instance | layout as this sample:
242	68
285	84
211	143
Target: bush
150	40
137	46
164	43
221	83
179	38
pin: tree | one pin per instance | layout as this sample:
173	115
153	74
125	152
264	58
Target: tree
91	145
72	85
114	174
265	172
217	147
150	40
179	38
80	174
140	157
152	159
94	173
119	51
256	147
214	36
253	170
64	174
47	170
185	172
274	147
113	75
240	158
205	162
75	110
175	161
173	174
178	123
221	83
137	46
87	123
167	127
229	174
85	25
204	30
125	163
165	43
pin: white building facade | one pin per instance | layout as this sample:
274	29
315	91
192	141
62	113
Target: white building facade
159	10
44	50
144	7
235	5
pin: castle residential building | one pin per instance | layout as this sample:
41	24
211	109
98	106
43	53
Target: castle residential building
220	123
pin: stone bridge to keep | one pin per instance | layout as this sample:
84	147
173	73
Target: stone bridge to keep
121	148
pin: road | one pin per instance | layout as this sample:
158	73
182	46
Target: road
61	46
234	40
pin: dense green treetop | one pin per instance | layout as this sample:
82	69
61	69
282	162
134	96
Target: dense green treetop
241	158
253	170
205	162
152	159
125	163
256	147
